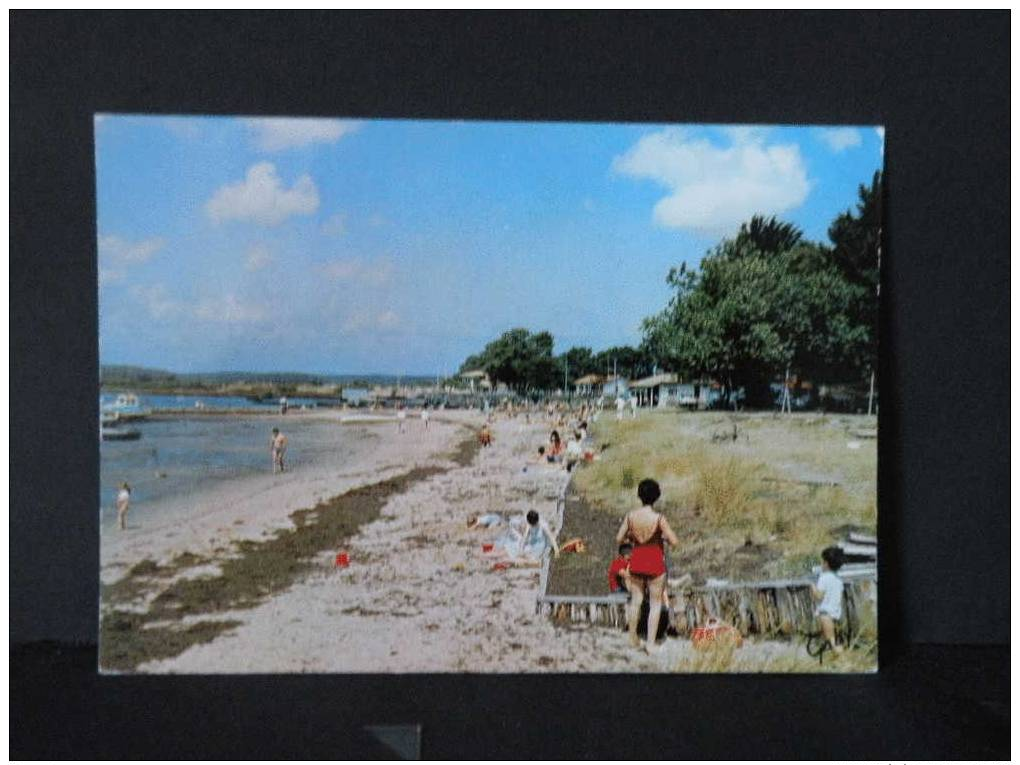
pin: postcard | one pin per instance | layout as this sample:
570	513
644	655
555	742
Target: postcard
399	396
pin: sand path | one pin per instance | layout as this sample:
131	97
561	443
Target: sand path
420	596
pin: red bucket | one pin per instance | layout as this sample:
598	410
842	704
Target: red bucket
487	547
342	560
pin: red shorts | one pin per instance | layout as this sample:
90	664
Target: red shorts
648	560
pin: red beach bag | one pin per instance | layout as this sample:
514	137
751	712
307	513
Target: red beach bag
715	631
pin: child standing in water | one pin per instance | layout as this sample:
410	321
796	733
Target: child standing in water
123	502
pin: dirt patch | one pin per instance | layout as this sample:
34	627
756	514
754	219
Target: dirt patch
466	450
702	554
255	571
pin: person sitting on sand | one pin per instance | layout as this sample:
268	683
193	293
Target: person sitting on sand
486	521
277	448
619	570
527	548
648	531
829	594
485	435
123	502
541	454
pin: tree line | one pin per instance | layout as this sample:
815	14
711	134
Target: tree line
761	303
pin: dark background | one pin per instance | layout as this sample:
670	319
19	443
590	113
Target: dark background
939	82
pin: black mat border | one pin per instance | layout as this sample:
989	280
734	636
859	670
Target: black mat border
939	82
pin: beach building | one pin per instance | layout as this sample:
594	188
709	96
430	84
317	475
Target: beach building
614	386
649	390
477	378
668	389
693	394
589	385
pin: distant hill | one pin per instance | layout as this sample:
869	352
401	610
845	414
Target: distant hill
124	375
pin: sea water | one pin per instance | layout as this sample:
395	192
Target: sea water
186	455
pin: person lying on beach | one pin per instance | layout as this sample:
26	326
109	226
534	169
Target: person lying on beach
486	521
527	548
648	531
829	595
123	503
277	448
619	569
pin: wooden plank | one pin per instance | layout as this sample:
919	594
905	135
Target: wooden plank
602	600
864	539
851	548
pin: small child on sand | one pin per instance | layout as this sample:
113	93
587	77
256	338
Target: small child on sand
829	594
123	502
485	436
277	448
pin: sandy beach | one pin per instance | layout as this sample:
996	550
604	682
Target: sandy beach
419	594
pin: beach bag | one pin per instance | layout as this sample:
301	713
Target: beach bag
714	632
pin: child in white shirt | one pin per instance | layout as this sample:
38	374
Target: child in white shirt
829	595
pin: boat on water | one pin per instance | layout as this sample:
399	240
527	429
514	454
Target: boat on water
126	407
112	433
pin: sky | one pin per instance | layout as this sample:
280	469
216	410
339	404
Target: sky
336	246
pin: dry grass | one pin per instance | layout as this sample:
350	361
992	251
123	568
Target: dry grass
769	657
786	486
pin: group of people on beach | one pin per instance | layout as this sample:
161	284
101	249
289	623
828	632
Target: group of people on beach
640	570
402	417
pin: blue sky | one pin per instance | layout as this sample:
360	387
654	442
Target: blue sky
400	247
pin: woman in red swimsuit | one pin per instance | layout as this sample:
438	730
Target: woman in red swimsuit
647	530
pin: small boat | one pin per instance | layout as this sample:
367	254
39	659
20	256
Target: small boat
119	434
126	407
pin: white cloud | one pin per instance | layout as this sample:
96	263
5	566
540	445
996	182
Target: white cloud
839	139
375	273
262	198
257	257
156	301
280	133
880	132
334	225
229	309
115	250
713	189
